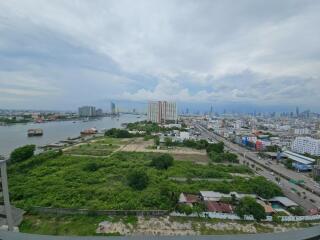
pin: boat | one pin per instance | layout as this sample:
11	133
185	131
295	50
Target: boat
89	131
35	132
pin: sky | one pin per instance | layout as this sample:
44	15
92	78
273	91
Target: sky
61	54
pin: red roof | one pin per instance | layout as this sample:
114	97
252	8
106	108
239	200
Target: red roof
191	198
218	207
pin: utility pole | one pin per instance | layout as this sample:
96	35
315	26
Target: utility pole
5	194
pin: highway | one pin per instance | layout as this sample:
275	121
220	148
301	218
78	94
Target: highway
307	196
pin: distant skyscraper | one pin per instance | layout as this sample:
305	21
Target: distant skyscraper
113	108
297	111
211	111
162	111
87	111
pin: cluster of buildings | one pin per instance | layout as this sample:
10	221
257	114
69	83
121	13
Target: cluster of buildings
89	111
226	203
297	139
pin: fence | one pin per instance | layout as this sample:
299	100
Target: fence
73	211
157	213
227	216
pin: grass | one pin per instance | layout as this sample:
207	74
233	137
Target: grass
77	225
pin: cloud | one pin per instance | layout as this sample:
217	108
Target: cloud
80	52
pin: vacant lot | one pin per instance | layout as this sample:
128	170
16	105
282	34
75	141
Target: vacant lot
101	183
98	147
180	153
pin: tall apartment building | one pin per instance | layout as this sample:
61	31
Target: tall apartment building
162	111
306	145
87	111
113	108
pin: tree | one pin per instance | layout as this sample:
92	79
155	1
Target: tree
264	188
138	179
157	141
296	211
163	161
117	133
216	147
249	206
22	153
168	141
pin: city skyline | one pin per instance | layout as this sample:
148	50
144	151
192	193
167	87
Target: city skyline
251	55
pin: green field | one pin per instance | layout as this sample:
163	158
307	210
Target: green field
100	183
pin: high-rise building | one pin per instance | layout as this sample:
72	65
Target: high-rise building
113	108
87	111
297	111
306	145
162	111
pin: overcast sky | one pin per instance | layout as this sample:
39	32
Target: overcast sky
60	54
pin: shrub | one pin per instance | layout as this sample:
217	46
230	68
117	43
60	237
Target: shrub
137	179
22	153
91	167
183	208
163	161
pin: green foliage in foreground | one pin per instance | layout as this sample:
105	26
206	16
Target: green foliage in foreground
54	180
22	153
249	206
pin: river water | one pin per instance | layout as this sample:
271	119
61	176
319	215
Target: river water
14	136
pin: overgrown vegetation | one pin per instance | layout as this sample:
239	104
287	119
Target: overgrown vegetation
77	225
54	180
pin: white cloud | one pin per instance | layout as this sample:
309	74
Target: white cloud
196	51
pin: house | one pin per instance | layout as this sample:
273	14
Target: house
217	196
283	202
188	199
218	207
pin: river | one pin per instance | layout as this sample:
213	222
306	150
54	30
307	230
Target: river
14	136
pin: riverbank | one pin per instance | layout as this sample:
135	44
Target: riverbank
14	136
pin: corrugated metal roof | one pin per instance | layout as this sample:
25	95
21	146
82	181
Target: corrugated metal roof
284	201
298	158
